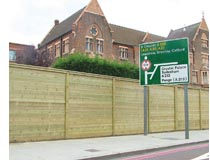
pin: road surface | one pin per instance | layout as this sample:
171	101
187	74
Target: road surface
191	152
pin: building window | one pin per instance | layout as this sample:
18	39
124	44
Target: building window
100	46
94	30
89	44
204	43
205	59
194	77
12	55
205	79
204	40
191	58
65	46
57	50
49	50
123	53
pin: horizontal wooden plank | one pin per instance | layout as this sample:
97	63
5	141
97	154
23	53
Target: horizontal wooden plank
42	107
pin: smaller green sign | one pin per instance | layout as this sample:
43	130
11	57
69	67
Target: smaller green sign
165	62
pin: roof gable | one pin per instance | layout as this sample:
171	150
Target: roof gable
203	25
94	7
121	35
146	37
66	25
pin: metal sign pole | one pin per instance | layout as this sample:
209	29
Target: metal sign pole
186	111
164	62
145	110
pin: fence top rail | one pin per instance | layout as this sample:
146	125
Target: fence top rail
31	67
50	69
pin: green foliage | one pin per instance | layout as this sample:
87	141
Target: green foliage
82	63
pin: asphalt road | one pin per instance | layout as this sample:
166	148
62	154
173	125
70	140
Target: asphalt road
198	151
191	152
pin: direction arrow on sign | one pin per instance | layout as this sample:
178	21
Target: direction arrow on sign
165	62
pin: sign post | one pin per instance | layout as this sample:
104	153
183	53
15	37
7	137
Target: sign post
186	111
145	111
165	62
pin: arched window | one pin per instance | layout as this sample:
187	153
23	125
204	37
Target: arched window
204	40
94	40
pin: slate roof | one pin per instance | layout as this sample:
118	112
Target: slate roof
121	35
124	35
156	37
62	28
188	31
129	36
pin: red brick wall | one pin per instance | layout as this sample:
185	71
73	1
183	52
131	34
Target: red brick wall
25	54
197	53
82	30
116	52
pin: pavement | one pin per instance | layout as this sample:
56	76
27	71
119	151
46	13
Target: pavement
103	147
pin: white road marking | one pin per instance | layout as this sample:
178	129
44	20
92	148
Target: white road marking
202	157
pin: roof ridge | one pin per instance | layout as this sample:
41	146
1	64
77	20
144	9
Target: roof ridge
72	15
136	30
127	28
186	26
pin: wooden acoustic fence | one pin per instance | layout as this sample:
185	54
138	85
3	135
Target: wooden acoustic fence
50	104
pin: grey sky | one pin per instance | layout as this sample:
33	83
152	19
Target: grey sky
31	20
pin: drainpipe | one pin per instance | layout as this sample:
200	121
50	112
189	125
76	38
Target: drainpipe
61	48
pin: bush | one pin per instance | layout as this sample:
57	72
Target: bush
82	63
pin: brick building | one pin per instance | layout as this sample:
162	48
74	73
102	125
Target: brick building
198	35
88	31
21	53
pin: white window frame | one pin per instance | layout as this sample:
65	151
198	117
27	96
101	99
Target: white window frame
49	49
205	58
205	77
123	52
65	45
191	57
204	43
195	76
12	55
89	44
99	46
204	40
57	49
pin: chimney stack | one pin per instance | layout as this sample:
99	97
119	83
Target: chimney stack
56	22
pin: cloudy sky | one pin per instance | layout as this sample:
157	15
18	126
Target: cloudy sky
28	22
31	20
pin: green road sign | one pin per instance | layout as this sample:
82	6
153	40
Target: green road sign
164	62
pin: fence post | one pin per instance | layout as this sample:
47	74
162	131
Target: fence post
66	103
200	116
175	108
113	105
186	110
